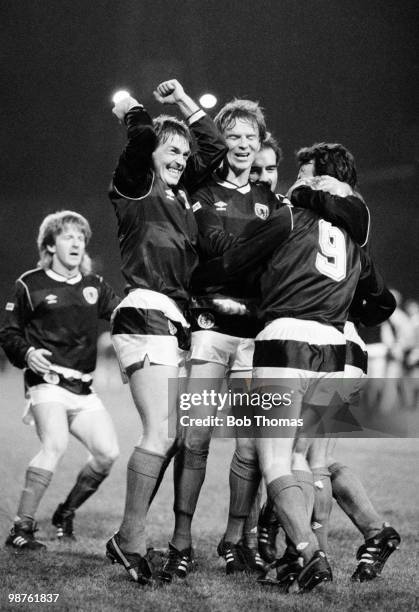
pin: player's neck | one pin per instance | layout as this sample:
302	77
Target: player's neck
62	270
239	179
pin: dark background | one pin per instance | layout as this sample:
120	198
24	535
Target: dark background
333	70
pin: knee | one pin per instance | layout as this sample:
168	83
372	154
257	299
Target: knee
198	442
157	441
106	458
54	448
246	449
301	446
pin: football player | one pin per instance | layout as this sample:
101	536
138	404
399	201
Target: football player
49	328
158	239
332	278
338	163
221	343
264	169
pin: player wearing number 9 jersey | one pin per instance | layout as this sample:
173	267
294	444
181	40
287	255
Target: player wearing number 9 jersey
306	290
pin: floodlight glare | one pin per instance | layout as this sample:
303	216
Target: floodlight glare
208	100
120	95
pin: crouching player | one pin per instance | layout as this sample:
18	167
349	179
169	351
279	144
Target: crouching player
49	329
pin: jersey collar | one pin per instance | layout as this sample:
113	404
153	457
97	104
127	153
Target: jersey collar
63	279
243	189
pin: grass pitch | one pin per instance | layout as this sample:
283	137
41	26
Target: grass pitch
84	579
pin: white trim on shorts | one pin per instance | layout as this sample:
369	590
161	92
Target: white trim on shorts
233	352
75	404
134	348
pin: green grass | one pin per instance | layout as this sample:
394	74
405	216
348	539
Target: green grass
86	581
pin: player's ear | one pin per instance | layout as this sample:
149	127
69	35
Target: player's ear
51	248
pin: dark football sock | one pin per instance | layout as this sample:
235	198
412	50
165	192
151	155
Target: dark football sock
269	514
142	472
351	496
189	475
305	480
250	529
290	507
323	502
87	483
36	483
168	457
244	482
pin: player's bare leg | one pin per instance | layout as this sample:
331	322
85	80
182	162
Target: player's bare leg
150	391
95	430
52	429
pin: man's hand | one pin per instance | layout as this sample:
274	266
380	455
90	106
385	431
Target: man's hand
123	106
323	183
229	306
169	92
333	186
37	361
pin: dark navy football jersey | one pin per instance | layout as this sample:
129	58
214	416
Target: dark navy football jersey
61	315
157	231
223	211
313	274
310	267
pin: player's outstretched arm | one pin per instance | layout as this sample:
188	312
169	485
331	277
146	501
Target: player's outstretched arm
210	145
133	174
253	248
334	201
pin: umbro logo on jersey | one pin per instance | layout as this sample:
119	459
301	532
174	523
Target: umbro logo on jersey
220	205
90	294
196	206
10	306
261	211
51	299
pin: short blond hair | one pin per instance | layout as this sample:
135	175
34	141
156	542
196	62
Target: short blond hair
52	226
244	110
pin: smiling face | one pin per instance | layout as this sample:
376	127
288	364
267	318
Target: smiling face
242	138
169	159
68	250
264	169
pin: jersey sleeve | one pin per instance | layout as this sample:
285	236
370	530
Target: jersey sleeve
351	213
133	174
213	239
209	151
108	300
252	248
375	302
12	326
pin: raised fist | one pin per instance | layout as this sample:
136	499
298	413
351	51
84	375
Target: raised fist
169	92
123	106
